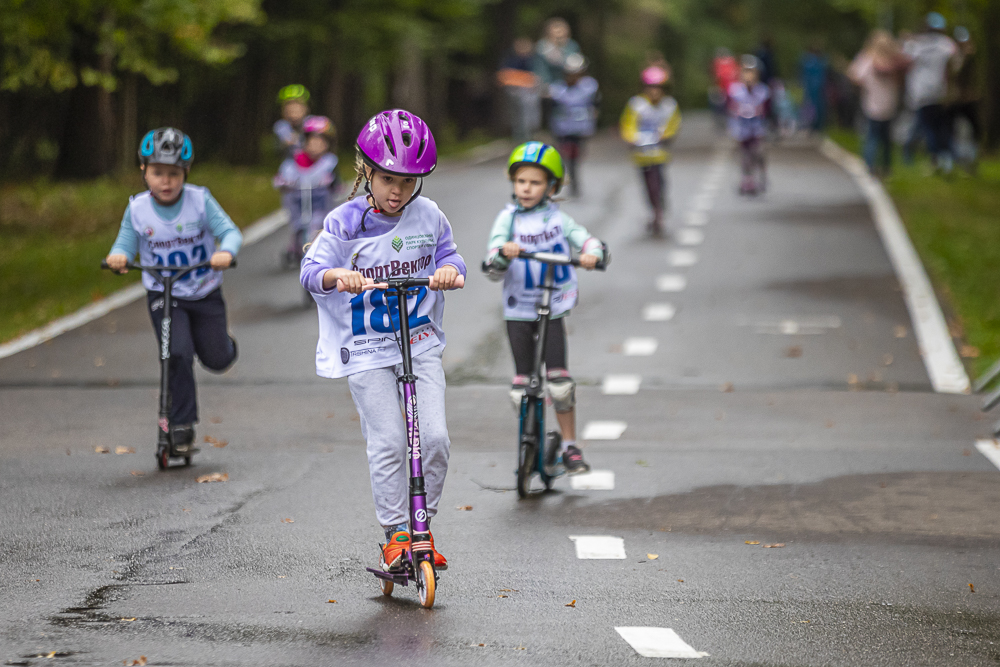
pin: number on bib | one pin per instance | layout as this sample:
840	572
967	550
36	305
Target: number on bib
384	317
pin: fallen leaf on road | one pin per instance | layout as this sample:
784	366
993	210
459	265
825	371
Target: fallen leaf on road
793	351
464	508
136	473
752	542
972	589
571	604
100	449
281	576
213	477
720	415
482	644
501	596
803	621
216	420
521	648
128	620
776	545
288	520
652	556
124	450
726	387
509	590
98	361
966	452
887	360
52	654
852	379
969	351
329	415
185	509
680	580
900	331
135	663
215	442
829	423
331	602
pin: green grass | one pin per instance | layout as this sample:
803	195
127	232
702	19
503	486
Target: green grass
955	226
53	236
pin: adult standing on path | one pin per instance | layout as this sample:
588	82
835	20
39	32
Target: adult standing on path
519	79
553	48
964	97
926	87
813	70
878	70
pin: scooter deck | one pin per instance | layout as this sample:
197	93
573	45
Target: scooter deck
400	578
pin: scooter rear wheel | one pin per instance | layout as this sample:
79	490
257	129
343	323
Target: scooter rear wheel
163	458
426	583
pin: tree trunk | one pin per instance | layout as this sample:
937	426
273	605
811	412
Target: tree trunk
128	122
408	89
503	18
991	51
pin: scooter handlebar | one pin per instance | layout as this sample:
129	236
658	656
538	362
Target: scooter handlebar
157	267
552	258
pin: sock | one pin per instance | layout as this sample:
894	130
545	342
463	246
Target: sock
566	444
392	530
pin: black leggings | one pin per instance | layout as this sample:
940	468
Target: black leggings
198	328
522	344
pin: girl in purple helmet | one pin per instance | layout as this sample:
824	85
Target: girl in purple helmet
392	231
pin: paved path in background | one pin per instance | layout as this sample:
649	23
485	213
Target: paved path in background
781	400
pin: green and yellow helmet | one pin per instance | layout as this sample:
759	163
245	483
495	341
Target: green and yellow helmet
537	154
295	92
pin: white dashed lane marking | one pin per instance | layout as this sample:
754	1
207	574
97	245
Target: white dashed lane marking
697	218
621	385
682	258
658	312
671	282
604	430
599	547
658	643
690	236
595	480
639	347
794	327
990	449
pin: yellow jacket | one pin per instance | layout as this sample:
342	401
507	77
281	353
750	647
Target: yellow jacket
648	127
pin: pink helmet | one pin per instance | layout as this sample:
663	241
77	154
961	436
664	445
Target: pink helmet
654	75
398	142
318	125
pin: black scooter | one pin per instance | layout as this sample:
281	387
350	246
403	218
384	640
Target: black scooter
166	448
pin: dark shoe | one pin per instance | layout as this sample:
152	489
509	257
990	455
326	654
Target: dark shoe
182	438
572	459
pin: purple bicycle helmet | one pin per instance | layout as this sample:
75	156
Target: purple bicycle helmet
399	143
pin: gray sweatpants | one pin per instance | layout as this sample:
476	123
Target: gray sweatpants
378	398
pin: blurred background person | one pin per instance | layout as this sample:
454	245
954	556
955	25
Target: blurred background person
553	48
749	99
725	72
878	71
964	99
649	122
813	71
522	87
574	114
932	52
294	101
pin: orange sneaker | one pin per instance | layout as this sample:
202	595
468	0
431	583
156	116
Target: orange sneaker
393	550
440	562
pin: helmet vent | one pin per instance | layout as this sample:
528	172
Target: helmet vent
421	148
388	144
407	139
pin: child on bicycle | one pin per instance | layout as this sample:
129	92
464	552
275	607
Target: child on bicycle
294	101
534	223
748	111
393	231
649	122
574	114
307	181
175	223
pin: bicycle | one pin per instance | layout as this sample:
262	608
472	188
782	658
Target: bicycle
165	447
531	458
418	562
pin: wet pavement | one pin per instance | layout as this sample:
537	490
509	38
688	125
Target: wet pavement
785	403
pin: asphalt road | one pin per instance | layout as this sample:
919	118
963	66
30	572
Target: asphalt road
785	402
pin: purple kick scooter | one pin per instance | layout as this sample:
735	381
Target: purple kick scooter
418	562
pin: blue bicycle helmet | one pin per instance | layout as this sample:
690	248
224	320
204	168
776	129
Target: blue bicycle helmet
166	145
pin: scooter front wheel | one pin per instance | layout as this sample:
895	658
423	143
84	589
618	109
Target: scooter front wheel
426	583
525	467
387	587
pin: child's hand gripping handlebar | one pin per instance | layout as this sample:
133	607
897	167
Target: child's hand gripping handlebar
401	281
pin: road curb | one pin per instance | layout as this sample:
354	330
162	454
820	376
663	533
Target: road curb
940	357
252	234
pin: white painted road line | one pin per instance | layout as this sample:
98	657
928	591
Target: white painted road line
658	312
604	430
658	643
690	236
639	347
671	282
936	347
697	218
682	258
595	480
255	232
621	385
599	547
990	449
789	326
